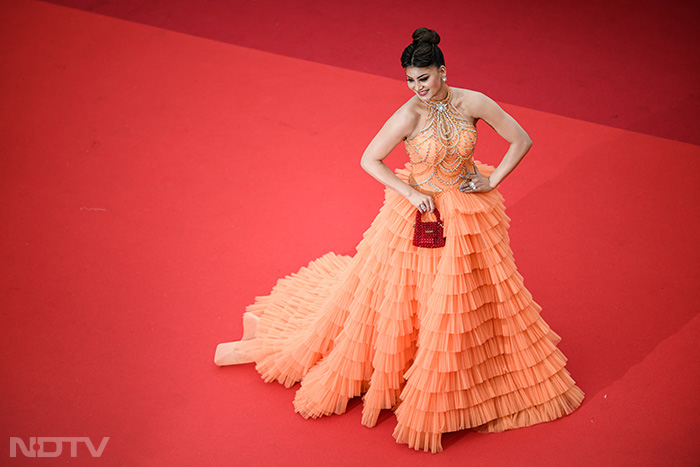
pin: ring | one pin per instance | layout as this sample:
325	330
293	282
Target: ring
472	185
422	207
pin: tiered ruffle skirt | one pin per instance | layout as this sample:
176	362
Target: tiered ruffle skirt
448	338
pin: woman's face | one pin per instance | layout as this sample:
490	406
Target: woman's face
427	82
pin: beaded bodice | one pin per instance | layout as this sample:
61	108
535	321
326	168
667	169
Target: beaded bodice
440	155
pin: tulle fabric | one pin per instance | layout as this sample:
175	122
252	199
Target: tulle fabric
448	338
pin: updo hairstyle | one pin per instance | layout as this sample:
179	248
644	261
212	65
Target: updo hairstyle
424	50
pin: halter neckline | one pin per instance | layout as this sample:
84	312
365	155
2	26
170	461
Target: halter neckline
441	104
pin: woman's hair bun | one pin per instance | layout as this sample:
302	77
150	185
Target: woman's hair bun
426	35
424	51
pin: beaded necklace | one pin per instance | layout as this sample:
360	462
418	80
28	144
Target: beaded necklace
440	154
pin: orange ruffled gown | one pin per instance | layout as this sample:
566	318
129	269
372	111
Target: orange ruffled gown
449	338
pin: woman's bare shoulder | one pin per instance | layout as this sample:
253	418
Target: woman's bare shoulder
467	94
472	103
409	113
467	98
412	108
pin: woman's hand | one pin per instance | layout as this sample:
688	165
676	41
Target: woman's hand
476	183
421	201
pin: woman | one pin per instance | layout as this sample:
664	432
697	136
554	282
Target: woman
447	337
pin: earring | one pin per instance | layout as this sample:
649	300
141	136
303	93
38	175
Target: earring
444	78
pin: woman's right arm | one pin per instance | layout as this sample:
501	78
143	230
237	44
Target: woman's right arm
395	130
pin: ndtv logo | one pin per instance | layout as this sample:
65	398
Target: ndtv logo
36	446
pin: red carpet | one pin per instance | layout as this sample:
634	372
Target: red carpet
631	65
154	182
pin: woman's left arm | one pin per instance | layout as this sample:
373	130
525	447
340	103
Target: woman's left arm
484	108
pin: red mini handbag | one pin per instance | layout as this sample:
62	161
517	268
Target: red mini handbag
428	234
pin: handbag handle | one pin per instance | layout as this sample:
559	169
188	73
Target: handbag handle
419	216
